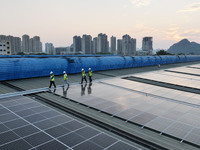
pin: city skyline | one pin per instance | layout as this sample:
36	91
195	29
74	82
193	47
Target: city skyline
58	21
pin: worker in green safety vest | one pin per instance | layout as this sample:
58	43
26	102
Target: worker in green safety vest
83	76
65	79
90	75
52	80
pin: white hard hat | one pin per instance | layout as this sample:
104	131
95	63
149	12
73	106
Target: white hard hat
64	72
89	68
51	72
82	69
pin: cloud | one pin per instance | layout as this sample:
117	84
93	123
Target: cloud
173	33
191	8
139	3
177	34
192	33
141	28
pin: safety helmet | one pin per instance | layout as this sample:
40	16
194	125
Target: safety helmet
51	72
82	69
89	68
64	72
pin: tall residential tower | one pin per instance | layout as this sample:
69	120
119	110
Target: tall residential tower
147	44
77	44
113	45
102	43
86	44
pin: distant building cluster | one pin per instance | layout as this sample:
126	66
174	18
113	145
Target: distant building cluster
31	45
126	46
100	45
27	45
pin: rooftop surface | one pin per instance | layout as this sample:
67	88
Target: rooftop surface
137	108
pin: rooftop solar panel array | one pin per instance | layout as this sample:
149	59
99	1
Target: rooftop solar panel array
173	112
187	72
27	124
173	95
169	77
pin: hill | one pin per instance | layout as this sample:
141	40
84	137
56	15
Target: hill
185	47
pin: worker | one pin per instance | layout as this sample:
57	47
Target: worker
83	76
90	75
52	80
65	79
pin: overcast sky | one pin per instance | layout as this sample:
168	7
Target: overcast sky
57	21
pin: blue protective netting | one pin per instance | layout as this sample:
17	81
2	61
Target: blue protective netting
28	67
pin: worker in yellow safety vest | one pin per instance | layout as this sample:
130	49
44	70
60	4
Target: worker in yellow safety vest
90	75
83	76
52	80
65	79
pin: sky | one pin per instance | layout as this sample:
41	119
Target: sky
57	21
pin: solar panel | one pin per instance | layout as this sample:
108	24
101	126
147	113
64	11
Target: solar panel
168	77
27	124
186	70
161	111
180	96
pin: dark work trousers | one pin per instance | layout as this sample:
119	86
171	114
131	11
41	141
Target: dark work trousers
90	78
83	78
52	82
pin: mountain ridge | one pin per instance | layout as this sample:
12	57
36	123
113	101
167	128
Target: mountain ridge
186	47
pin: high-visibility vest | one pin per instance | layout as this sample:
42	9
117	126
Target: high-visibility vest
90	73
83	73
65	77
52	78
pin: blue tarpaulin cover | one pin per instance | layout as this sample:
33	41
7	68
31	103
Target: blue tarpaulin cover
17	67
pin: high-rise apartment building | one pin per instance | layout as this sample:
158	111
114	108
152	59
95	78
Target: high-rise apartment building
17	44
40	47
113	45
94	45
3	37
102	43
36	44
12	43
31	45
147	44
86	44
128	45
119	46
133	47
77	44
5	47
25	43
49	48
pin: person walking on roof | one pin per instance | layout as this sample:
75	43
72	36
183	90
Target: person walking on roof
52	80
90	75
83	76
65	79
